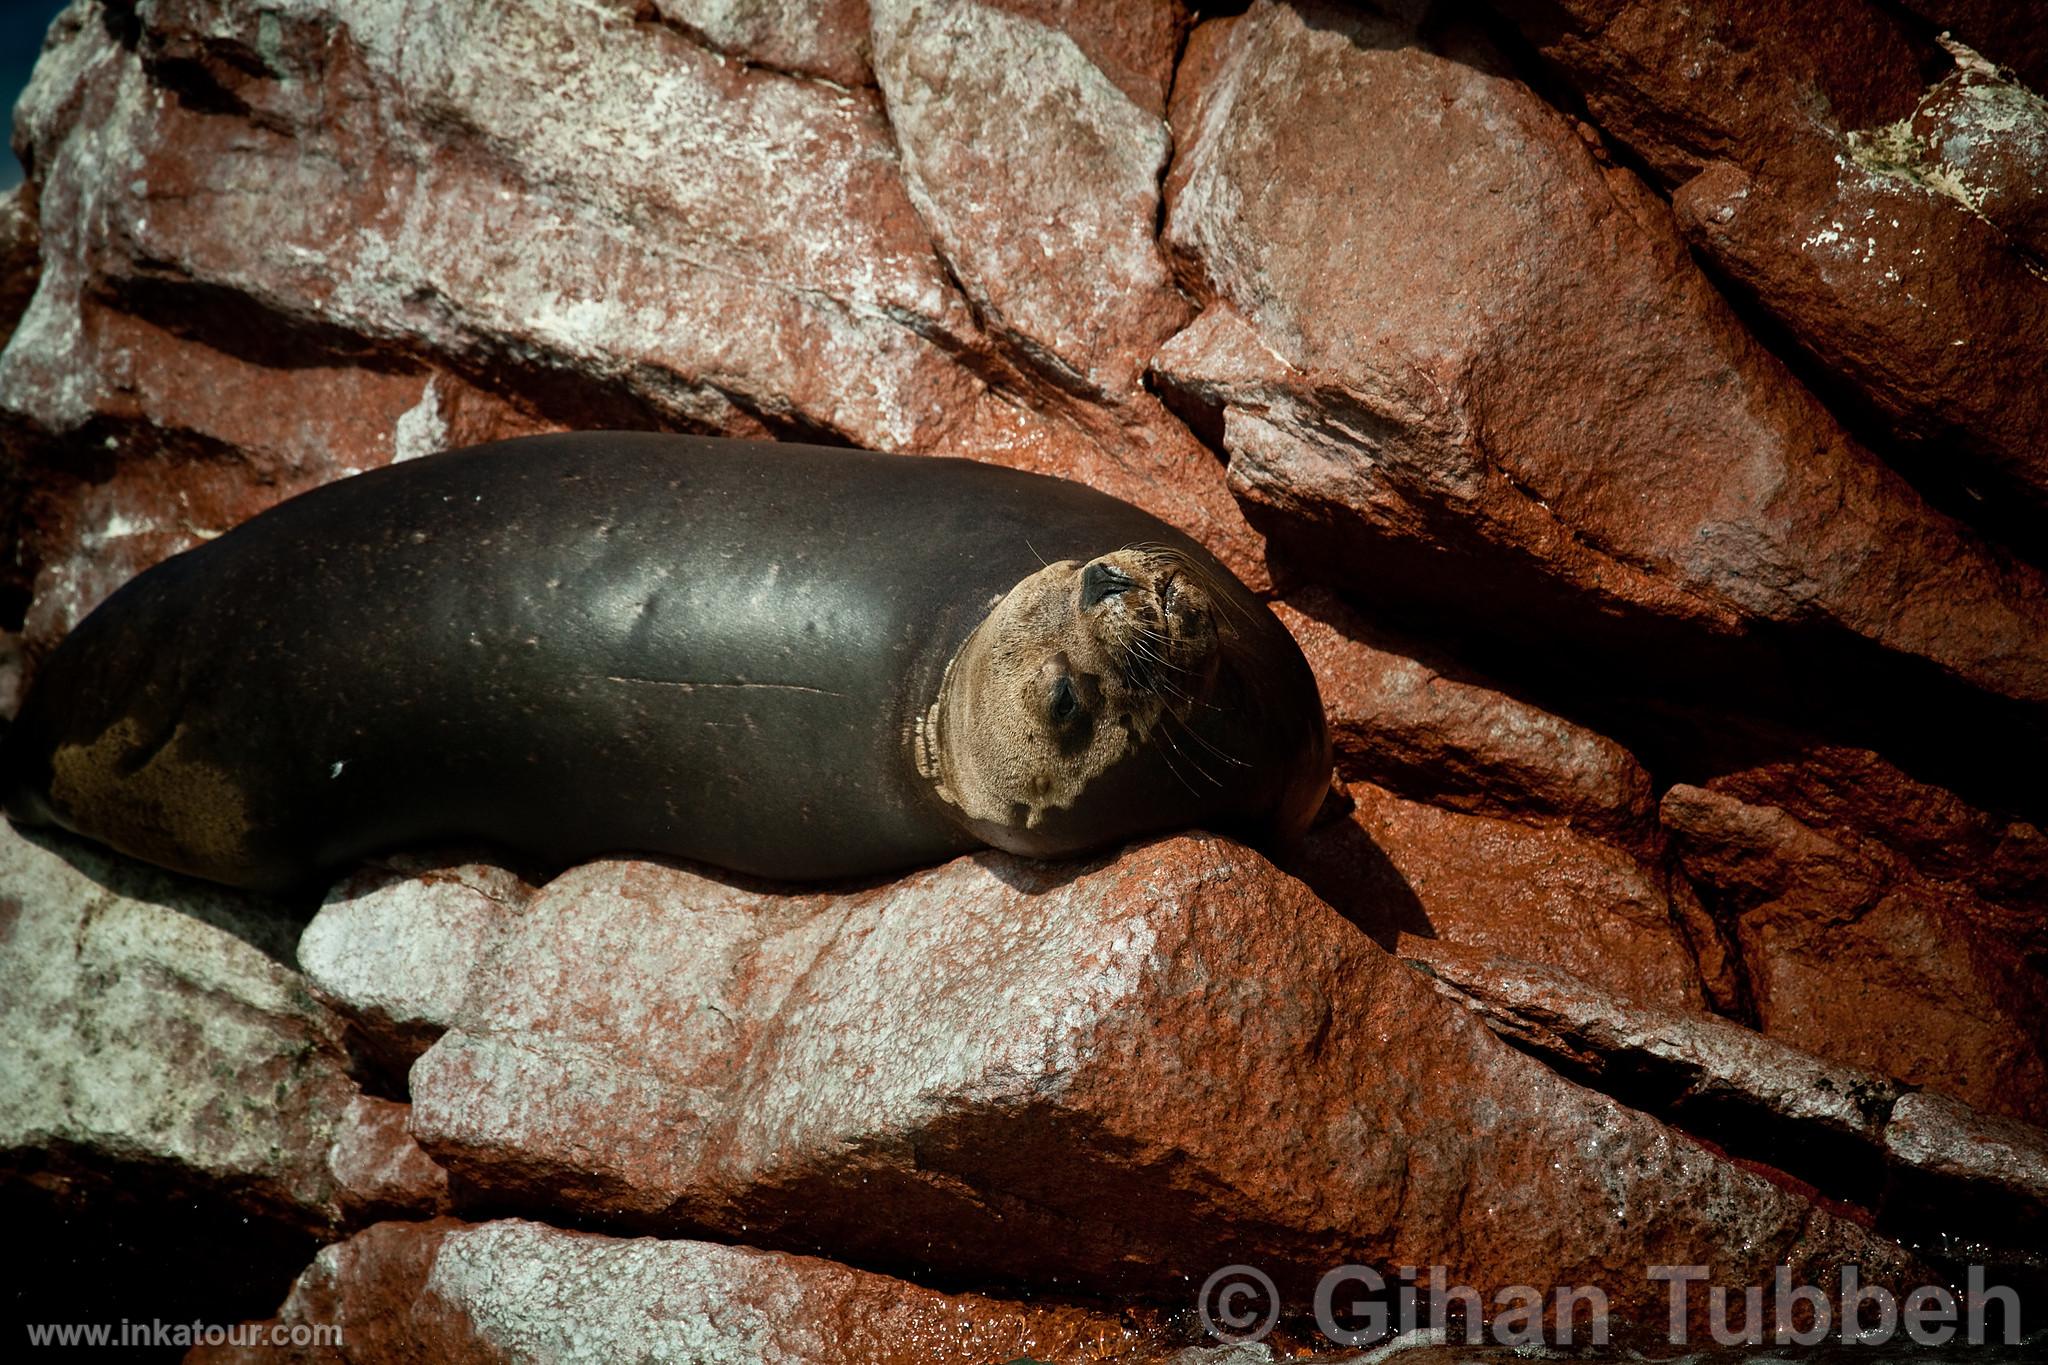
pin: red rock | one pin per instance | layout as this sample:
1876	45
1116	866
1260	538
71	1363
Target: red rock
824	41
1926	1163
363	953
1406	725
1947	1157
1411	875
1853	954
1724	79
1039	179
152	1028
1857	797
1494	382
1802	170
449	1291
380	1171
20	261
537	220
1135	45
1103	1077
199	450
1984	141
1908	296
2012	35
1755	1096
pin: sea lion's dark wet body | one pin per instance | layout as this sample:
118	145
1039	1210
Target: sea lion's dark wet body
573	645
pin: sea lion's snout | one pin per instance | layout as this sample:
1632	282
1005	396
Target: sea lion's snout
1151	618
1100	580
1079	668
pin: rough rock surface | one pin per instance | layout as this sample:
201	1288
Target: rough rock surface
1410	873
399	991
1669	1062
1950	1159
1923	1162
1001	1069
422	267
1587	369
1879	228
148	1025
992	105
157	1048
1404	401
449	1291
1853	953
1407	726
2012	35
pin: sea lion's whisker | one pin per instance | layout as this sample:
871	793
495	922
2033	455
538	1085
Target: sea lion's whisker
1166	757
1209	744
1189	759
1167	753
1157	683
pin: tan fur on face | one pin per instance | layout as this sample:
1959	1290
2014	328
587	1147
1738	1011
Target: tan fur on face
994	741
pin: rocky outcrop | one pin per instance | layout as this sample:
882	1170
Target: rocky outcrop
424	269
1405	404
1921	1161
1407	873
159	1050
1107	1077
1581	382
1891	232
1853	952
449	1291
1414	728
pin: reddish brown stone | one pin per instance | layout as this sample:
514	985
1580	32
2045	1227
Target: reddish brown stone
1411	874
448	1291
377	1167
151	1027
195	448
1948	1157
1909	296
2012	35
1461	364
1802	169
406	235
1039	179
1494	381
363	954
823	39
1984	141
1856	797
20	257
1818	1119
1852	953
1401	722
1686	86
1107	1077
1926	1163
1134	44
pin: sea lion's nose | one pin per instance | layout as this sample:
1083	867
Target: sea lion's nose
1100	580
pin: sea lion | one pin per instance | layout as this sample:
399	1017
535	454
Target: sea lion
790	661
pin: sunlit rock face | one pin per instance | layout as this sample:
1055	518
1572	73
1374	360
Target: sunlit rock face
1633	412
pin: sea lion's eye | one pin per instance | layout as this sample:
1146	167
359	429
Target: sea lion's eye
1065	701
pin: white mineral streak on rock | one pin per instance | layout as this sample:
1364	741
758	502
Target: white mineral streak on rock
143	1025
420	429
1039	179
46	369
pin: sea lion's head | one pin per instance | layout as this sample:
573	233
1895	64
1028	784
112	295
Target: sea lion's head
1085	679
